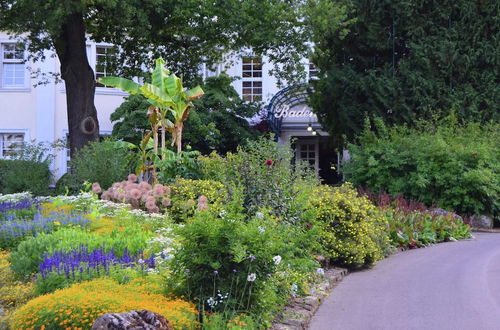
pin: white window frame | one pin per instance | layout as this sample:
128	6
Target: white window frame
312	70
298	146
26	78
252	78
24	132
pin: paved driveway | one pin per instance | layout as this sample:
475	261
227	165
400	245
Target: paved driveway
452	285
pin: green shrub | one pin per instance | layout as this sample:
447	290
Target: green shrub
23	175
225	264
68	184
354	231
263	171
185	195
104	162
455	166
27	256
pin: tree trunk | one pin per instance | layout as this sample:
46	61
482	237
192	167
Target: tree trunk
79	79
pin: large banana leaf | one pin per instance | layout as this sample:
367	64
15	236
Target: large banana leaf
160	73
124	84
194	93
156	94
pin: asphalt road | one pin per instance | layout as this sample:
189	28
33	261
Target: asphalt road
452	286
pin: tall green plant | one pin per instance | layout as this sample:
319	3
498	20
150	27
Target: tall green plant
170	103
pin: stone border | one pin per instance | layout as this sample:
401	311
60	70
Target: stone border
299	311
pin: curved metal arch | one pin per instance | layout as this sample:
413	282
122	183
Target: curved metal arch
291	96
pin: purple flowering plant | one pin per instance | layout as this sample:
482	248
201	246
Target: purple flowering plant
59	269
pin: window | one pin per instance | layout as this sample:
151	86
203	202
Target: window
307	151
12	72
104	61
313	70
252	78
252	91
9	142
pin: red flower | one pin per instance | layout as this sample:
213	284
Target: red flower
269	162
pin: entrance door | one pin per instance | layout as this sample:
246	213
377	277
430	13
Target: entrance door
307	151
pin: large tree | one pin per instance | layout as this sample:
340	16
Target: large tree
185	33
407	60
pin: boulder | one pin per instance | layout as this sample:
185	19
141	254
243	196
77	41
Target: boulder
481	221
134	320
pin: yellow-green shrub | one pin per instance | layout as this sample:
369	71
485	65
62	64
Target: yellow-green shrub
12	293
185	194
353	229
78	306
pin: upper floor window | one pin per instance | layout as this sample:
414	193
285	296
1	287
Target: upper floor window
12	71
104	62
252	78
313	70
9	143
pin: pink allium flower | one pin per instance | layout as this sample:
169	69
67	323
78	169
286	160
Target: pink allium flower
167	190
132	178
144	185
116	185
106	195
154	210
134	193
96	188
202	206
158	190
166	201
151	198
190	202
202	199
150	204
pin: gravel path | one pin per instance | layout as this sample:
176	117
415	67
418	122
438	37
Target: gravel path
452	286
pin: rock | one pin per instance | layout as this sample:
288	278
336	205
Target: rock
481	221
444	213
134	320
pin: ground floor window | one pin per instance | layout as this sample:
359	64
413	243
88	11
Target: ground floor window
9	143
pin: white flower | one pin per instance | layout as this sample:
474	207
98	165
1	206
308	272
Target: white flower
261	229
277	260
259	215
293	290
320	271
251	277
222	214
140	261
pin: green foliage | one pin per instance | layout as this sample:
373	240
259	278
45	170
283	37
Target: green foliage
28	255
263	171
228	265
455	166
353	229
183	164
416	228
24	175
68	184
405	60
13	293
186	195
216	123
104	162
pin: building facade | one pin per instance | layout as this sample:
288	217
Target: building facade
30	111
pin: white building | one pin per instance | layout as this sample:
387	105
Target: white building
39	113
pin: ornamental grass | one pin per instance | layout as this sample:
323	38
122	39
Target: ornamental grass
78	306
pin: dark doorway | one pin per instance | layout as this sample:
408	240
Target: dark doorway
328	163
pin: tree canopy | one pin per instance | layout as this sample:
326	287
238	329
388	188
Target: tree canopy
408	60
184	33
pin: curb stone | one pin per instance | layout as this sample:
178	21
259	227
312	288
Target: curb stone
299	311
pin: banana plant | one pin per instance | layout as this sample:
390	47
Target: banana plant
166	95
168	99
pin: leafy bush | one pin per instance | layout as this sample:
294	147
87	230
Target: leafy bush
183	164
263	171
81	304
28	255
455	166
103	162
189	195
68	184
225	264
12	293
353	229
23	175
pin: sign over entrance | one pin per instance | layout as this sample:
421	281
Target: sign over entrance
300	111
